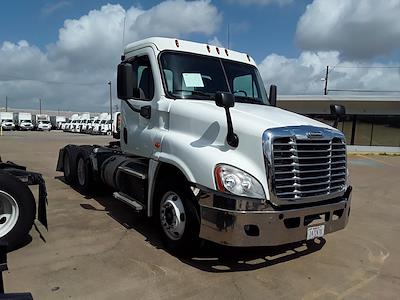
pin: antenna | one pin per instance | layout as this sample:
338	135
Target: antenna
228	36
123	37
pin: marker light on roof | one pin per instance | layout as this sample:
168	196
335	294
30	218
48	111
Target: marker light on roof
217	50
177	43
208	49
248	57
226	52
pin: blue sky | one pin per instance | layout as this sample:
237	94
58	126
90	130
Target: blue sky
256	29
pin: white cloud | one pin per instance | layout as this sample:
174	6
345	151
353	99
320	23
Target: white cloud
50	8
358	29
215	42
302	75
261	2
72	72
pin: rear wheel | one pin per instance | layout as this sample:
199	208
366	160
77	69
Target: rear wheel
17	211
69	170
84	174
178	218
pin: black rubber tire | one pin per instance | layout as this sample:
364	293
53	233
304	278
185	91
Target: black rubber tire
69	167
27	210
190	241
85	187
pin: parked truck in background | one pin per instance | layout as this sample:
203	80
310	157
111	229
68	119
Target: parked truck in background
7	121
42	122
205	151
57	121
70	123
23	121
97	126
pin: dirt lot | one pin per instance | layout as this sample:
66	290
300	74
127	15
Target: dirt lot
99	249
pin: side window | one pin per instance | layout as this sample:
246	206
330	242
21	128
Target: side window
169	78
143	78
245	86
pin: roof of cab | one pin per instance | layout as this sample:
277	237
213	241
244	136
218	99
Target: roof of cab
162	43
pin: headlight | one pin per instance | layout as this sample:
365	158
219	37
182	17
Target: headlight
237	182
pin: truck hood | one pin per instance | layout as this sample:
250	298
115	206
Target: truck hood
270	117
257	118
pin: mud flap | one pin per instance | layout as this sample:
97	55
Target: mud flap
30	178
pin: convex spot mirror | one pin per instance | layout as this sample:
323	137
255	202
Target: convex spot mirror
338	111
224	99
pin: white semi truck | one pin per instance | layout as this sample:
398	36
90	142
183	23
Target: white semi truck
7	121
205	151
98	125
23	121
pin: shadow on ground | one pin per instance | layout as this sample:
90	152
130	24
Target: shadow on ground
211	257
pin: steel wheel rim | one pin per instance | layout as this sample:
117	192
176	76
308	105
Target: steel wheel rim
172	216
9	213
81	171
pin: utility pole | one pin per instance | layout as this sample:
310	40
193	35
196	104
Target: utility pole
6	103
40	106
326	81
109	83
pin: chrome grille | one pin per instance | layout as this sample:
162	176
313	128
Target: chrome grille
306	168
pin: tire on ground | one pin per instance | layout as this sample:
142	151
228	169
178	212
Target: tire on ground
189	241
84	179
69	166
10	186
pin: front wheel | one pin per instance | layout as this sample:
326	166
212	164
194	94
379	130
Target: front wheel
178	218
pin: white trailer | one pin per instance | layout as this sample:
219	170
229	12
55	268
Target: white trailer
7	121
204	149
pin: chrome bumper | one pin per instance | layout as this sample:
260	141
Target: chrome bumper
270	227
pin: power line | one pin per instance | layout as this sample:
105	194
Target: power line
367	67
363	91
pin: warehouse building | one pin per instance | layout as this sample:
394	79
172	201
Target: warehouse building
369	121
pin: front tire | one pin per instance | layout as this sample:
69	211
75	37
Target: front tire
17	211
178	219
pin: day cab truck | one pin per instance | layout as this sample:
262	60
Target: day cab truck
205	151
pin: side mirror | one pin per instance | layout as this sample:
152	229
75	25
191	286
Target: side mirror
272	95
125	81
223	99
339	111
227	100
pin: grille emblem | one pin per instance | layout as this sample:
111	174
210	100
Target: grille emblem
314	134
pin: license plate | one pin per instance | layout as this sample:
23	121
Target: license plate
315	231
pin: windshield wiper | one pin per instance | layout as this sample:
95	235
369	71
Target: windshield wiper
198	93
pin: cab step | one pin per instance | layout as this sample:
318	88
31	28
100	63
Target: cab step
128	200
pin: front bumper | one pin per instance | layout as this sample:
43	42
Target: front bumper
268	227
8	127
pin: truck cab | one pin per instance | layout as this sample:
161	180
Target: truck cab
205	150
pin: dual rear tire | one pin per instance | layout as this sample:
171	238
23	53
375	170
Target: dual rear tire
78	171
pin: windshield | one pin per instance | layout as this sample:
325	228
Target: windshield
200	77
44	122
7	120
